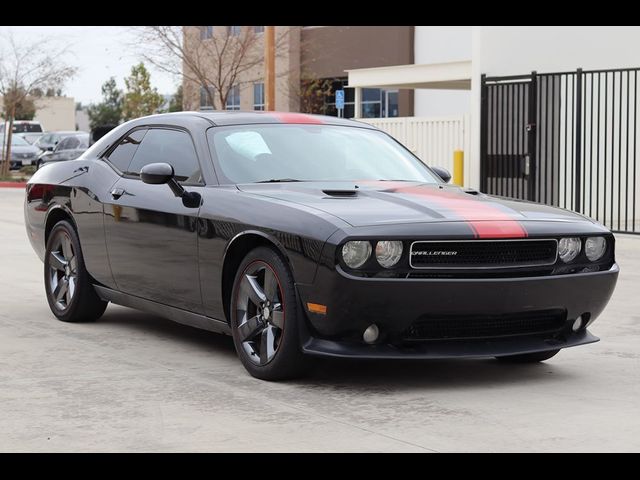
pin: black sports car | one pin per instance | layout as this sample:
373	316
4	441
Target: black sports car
305	235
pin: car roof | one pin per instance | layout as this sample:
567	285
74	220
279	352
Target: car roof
239	117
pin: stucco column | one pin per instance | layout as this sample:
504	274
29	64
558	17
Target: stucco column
357	102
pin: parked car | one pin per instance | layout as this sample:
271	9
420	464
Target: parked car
22	153
305	235
48	141
22	126
69	148
31	138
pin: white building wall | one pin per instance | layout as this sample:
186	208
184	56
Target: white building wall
517	50
440	44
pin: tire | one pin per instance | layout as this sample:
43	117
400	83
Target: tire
528	357
64	263
265	317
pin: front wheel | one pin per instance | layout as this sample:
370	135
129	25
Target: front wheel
264	317
529	357
70	294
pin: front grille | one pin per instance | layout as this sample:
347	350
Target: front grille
483	253
486	326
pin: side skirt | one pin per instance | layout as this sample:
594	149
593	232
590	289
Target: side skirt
177	315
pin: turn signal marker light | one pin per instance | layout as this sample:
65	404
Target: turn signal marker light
317	308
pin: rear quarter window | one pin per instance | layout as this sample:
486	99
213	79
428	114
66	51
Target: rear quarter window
121	156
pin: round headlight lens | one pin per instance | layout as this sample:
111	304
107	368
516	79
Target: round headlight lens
356	253
595	247
569	248
388	252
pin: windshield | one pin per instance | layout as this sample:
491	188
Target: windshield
26	127
259	153
15	140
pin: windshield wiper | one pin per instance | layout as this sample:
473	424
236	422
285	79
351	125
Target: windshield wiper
279	180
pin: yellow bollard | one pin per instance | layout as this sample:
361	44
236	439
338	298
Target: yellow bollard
458	167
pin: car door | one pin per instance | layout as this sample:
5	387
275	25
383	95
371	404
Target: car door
151	236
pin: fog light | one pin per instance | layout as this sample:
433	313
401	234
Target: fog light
577	325
370	335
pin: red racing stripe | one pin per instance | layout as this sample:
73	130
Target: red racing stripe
290	117
486	220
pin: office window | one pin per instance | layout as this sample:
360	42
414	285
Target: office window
205	102
379	103
206	32
235	30
233	98
258	29
376	102
371	103
258	96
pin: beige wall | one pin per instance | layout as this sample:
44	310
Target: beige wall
56	113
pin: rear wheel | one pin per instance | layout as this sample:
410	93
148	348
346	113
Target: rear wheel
70	294
528	357
264	317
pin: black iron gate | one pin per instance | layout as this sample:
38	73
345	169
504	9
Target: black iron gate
567	139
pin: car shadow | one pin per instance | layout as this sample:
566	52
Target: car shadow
163	328
383	375
372	376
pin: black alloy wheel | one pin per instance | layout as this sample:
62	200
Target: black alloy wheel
265	317
70	293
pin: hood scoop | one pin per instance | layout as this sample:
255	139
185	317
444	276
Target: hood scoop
344	193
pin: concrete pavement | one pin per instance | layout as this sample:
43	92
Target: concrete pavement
135	382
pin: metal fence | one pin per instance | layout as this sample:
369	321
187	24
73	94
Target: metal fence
567	139
433	140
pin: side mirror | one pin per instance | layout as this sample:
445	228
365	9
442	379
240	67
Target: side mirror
50	148
156	173
443	173
161	173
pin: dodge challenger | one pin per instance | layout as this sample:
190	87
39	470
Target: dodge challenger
304	236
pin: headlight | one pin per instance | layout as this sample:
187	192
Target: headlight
595	247
569	248
388	252
356	253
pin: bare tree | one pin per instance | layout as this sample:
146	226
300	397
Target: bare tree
213	59
27	67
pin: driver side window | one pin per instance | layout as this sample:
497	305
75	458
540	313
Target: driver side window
174	147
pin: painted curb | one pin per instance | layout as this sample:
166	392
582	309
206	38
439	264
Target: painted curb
13	184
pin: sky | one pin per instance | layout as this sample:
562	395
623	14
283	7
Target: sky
98	53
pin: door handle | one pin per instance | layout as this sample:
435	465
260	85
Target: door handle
116	193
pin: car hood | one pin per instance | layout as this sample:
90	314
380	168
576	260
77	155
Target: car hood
24	149
378	203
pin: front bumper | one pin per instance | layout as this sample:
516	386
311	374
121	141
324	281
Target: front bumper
394	305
